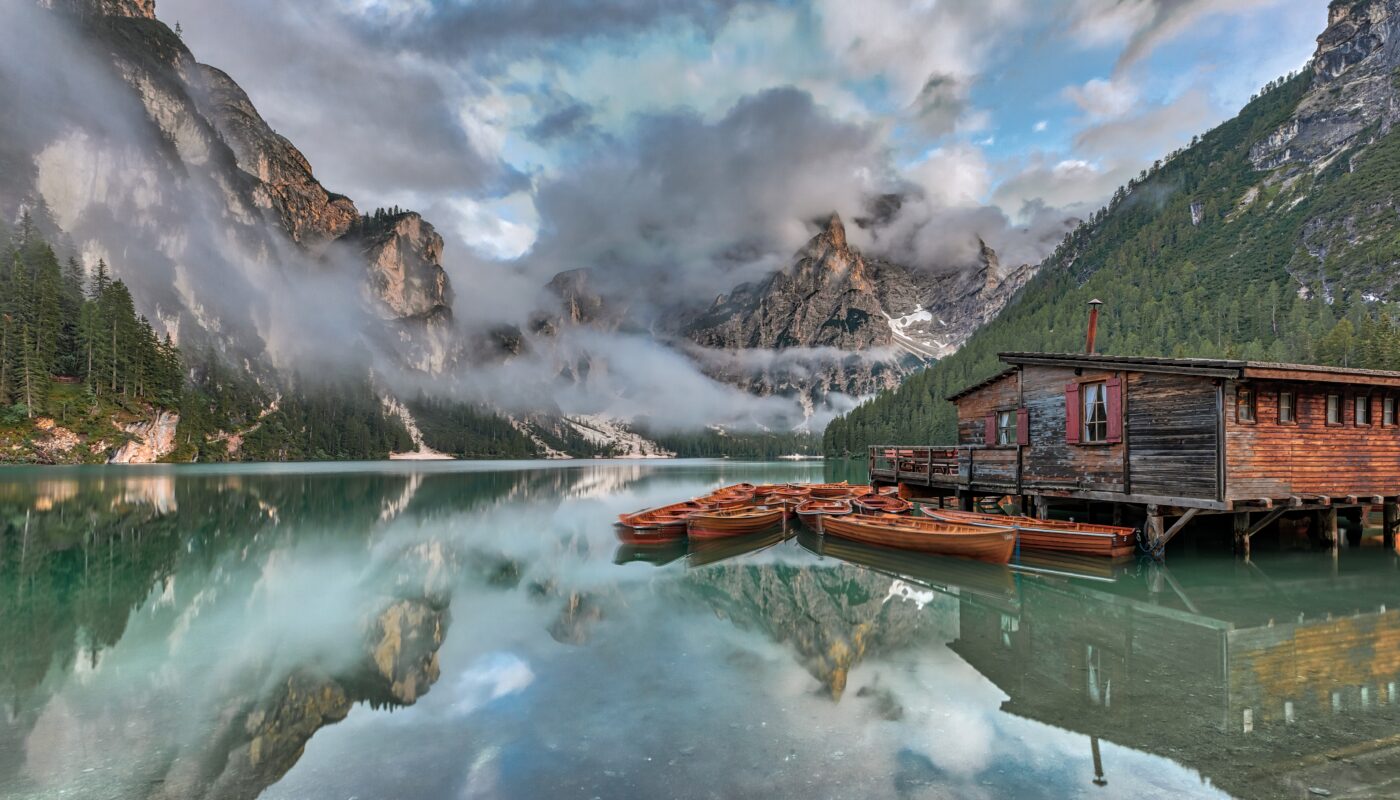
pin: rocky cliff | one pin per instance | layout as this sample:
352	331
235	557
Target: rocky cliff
164	167
1353	99
834	298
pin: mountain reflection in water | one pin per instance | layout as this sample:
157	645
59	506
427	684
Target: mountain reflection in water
475	630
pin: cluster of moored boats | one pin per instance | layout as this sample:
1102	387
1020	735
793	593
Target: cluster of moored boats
876	516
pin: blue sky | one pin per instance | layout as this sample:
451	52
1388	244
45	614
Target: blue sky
655	139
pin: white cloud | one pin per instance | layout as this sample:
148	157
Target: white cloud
1041	126
1101	98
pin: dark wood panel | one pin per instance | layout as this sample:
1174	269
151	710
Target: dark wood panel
1172	439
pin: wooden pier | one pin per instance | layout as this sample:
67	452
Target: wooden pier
1164	443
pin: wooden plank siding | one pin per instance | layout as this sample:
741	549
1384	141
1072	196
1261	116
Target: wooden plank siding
1004	393
1266	459
1172	426
1050	461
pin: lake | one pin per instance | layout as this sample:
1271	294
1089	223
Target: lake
475	630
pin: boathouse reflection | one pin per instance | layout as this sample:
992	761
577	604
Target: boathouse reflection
1267	686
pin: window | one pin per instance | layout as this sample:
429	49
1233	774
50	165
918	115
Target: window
1363	409
1244	404
1286	403
1334	409
1388	411
1095	398
1006	428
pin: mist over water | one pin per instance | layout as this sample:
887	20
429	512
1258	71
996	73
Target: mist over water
475	630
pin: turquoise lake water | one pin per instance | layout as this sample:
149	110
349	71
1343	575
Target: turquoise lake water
475	630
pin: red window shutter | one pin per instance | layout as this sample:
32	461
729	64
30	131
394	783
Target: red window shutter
1023	426
1072	413
991	437
1115	410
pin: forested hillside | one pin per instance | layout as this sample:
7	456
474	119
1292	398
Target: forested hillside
1203	255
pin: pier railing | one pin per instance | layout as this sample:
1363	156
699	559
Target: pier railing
944	465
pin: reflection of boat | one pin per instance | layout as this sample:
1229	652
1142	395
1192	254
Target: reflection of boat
881	504
1044	534
1073	565
734	521
926	536
711	551
992	583
657	554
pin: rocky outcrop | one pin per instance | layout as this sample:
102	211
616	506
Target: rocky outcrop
404	254
309	214
151	440
1353	94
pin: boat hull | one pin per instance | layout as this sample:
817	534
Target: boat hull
720	525
1100	541
991	545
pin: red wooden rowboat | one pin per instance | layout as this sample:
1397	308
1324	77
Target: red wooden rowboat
926	536
787	504
1106	541
881	504
790	491
837	490
659	520
733	521
721	500
812	512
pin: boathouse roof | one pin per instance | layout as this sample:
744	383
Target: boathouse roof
1230	369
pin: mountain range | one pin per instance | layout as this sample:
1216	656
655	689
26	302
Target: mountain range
1272	237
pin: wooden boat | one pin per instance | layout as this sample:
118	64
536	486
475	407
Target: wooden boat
734	521
892	491
797	492
837	490
656	523
721	500
881	504
811	512
1105	541
787	504
926	536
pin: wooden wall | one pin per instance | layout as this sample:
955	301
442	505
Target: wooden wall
1052	461
1172	434
1269	460
973	409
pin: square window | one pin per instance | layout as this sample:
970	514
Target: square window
1363	409
1334	409
1095	416
1244	404
1287	402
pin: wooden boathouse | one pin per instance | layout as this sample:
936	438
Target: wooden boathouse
1164	441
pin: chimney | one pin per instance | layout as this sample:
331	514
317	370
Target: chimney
1093	325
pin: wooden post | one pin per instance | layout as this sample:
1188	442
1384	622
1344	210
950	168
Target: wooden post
1042	507
1156	526
1242	533
1390	513
966	501
1327	527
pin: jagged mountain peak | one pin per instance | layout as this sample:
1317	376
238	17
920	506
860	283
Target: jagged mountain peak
834	231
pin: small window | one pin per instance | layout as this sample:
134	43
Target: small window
1334	409
1006	427
1363	410
1244	404
1388	411
1286	408
1095	398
